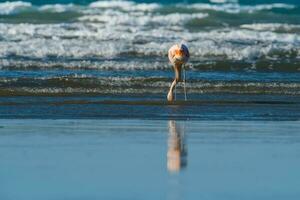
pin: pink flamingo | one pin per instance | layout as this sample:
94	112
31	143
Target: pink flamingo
178	56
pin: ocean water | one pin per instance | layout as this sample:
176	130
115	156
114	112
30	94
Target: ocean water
82	48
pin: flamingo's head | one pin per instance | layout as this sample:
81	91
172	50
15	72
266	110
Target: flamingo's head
181	54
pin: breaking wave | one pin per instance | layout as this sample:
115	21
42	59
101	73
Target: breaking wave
125	35
229	6
93	40
131	35
274	27
237	8
7	8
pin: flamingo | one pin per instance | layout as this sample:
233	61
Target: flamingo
177	149
178	56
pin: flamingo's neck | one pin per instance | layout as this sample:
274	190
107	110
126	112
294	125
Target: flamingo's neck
178	69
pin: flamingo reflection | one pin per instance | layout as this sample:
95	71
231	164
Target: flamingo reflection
177	152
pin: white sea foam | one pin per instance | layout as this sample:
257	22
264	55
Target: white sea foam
119	18
125	5
109	30
236	8
111	4
93	40
223	1
85	64
8	7
229	6
272	27
58	8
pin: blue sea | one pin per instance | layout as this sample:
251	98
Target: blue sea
89	52
83	109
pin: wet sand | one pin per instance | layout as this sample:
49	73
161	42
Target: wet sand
149	159
198	107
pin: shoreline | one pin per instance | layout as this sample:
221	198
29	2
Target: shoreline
206	107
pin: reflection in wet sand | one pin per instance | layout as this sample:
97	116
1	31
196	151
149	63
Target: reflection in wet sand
177	153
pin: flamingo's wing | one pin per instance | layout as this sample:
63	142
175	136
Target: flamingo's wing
185	50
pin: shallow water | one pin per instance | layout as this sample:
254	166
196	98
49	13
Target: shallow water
205	107
138	159
120	47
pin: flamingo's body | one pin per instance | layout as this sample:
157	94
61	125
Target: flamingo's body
178	55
